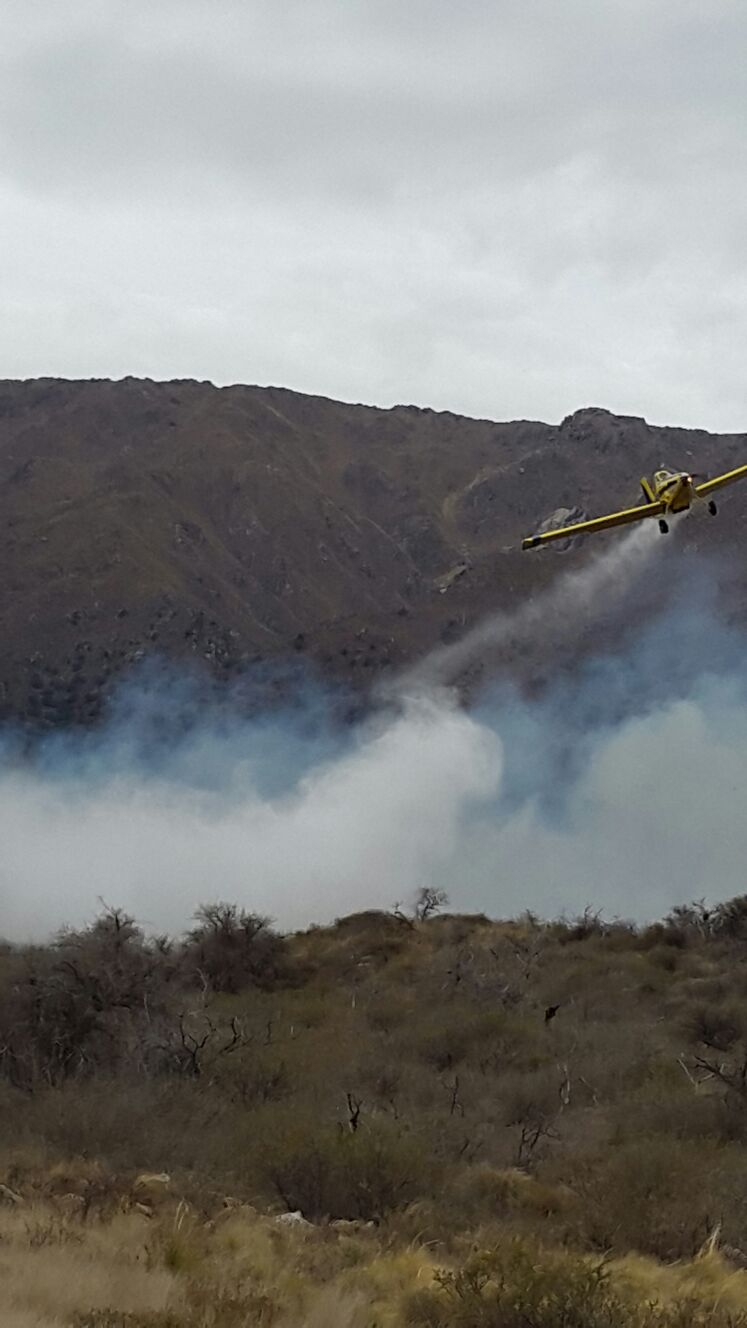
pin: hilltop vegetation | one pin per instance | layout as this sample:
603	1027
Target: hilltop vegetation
477	1123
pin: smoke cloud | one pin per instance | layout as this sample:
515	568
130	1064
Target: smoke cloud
358	829
575	597
622	786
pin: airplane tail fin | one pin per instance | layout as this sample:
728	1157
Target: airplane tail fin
648	492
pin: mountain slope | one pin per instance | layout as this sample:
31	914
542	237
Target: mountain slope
242	523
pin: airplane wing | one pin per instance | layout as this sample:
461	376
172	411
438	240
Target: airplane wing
598	523
720	481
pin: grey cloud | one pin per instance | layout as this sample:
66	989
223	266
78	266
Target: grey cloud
509	88
505	209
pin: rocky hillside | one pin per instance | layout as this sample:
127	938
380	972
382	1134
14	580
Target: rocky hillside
246	523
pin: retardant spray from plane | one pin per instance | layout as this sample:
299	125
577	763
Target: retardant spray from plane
671	491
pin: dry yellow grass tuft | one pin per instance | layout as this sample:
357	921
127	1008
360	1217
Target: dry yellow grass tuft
178	1271
709	1280
52	1268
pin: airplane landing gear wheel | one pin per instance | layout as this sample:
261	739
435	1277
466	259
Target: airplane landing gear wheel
712	508
663	527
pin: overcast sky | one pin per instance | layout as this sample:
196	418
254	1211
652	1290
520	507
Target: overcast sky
505	208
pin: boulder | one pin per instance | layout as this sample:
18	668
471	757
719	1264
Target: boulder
295	1219
563	516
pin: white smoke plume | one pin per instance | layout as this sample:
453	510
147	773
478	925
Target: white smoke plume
623	787
358	830
573	598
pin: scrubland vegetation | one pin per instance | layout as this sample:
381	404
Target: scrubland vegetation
410	1118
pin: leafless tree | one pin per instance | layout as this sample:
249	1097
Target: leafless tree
429	901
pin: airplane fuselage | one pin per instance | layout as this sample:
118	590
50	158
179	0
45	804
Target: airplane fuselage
675	489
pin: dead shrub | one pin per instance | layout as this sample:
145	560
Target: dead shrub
729	919
88	1003
231	949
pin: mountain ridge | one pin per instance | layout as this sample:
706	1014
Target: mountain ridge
236	524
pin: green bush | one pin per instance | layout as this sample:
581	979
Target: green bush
658	1195
332	1172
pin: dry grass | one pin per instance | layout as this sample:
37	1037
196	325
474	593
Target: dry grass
52	1268
179	1271
709	1280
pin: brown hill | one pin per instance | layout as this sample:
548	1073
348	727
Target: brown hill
241	523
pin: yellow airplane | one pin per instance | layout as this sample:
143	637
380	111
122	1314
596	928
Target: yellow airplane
670	491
